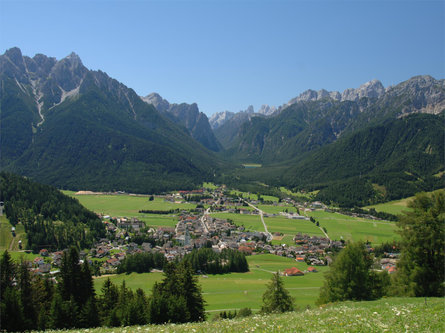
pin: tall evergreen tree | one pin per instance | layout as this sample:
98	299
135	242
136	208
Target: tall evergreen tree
276	298
351	277
421	266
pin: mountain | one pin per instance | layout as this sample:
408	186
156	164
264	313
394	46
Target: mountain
71	127
229	130
379	163
219	118
371	89
315	119
187	115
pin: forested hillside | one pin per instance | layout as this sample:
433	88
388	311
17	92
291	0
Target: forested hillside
51	219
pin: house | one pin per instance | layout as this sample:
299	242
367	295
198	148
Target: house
312	269
294	271
38	261
44	253
44	268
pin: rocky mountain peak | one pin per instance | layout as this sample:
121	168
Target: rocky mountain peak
267	110
219	118
157	101
371	89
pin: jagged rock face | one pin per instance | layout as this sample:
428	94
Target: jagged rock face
157	101
189	116
371	89
267	110
220	118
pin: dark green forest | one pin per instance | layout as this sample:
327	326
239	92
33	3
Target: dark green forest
51	219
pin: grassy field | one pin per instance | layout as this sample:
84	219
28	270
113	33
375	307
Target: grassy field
253	196
351	228
291	227
7	241
384	315
396	207
392	207
238	290
250	222
276	209
125	205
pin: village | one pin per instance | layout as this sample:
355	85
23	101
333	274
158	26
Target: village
197	229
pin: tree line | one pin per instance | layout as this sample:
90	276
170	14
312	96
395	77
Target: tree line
203	260
32	302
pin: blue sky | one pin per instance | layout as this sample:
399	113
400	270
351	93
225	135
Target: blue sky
226	55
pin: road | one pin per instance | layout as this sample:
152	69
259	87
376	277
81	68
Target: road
268	234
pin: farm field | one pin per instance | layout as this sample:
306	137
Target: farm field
253	196
384	315
352	228
270	209
125	205
238	290
291	227
250	222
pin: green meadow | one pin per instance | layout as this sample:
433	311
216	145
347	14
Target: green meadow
7	241
125	205
393	207
384	315
238	290
271	209
291	227
352	228
250	222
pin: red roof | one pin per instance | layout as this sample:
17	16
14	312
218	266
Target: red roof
294	271
311	269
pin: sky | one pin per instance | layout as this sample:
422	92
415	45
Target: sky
227	55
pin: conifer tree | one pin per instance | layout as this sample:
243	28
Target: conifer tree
420	271
276	298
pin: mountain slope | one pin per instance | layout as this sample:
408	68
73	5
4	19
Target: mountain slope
400	157
81	129
187	115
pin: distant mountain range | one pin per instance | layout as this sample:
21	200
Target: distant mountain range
75	128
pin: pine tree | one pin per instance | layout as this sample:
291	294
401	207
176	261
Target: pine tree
421	266
192	293
276	298
351	277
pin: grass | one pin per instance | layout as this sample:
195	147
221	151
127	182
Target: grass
384	315
252	165
254	196
396	207
250	222
7	241
393	207
276	209
238	290
351	228
291	227
125	205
